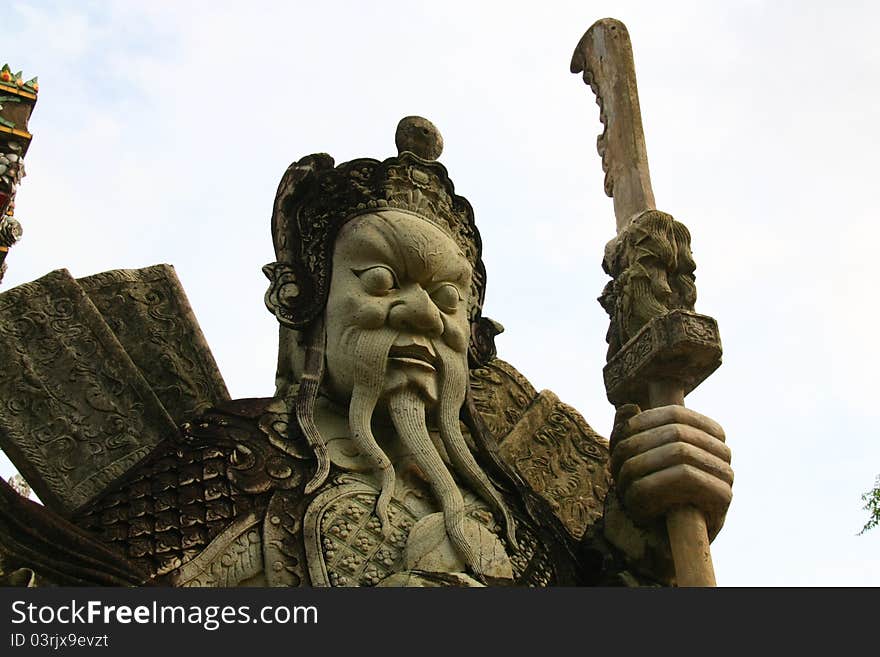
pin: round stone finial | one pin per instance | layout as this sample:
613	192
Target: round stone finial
418	136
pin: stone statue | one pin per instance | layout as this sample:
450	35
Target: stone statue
397	450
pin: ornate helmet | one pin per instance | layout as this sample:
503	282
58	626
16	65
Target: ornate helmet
315	199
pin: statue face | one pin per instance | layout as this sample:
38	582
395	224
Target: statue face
397	335
394	271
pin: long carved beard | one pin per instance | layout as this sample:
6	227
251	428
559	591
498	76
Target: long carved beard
408	414
407	410
371	362
452	394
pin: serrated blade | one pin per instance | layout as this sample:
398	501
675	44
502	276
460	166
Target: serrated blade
604	55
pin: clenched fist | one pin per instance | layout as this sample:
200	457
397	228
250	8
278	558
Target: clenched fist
667	457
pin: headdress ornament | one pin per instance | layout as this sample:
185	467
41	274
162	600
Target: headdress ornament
315	199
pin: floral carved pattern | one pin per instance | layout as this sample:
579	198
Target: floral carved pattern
232	557
345	545
75	414
148	312
562	459
501	395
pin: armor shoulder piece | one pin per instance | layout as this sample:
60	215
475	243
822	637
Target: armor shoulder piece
501	395
197	489
547	442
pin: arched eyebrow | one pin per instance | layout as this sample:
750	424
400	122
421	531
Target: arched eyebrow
456	270
373	243
420	257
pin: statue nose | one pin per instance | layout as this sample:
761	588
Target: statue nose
416	313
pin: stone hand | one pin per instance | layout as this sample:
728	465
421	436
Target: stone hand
667	457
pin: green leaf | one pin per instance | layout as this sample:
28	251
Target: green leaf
872	506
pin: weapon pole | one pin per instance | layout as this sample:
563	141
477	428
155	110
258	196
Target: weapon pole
659	350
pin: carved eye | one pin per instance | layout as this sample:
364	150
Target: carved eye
446	297
377	280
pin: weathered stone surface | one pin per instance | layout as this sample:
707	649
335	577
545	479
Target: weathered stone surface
418	136
172	507
233	557
680	345
604	56
562	459
150	315
652	269
501	395
76	414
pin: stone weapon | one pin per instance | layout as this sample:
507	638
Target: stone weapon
659	349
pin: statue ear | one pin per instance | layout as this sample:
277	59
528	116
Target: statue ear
283	291
482	345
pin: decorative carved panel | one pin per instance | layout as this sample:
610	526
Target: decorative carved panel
75	412
150	315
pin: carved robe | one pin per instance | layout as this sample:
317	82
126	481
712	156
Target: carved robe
221	505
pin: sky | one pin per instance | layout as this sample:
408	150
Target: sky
163	128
